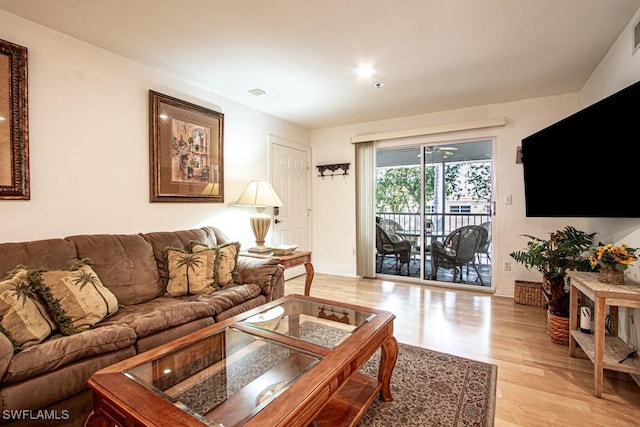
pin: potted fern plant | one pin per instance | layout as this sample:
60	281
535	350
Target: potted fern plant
564	250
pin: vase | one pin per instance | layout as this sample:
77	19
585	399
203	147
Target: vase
611	276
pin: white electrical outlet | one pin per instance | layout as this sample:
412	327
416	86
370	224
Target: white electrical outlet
507	266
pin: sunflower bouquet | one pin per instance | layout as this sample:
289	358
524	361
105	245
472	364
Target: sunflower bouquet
617	257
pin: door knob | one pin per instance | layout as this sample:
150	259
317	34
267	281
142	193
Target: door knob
277	221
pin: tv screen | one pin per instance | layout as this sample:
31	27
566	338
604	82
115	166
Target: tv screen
586	164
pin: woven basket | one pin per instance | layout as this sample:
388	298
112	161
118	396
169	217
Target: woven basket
529	293
558	329
611	276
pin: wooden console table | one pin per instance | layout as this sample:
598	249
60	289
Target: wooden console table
606	351
289	261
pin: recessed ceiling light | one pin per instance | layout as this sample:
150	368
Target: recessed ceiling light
2	119
365	71
257	92
378	84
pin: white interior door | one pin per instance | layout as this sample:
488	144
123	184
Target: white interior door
290	179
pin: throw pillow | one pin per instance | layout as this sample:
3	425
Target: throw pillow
189	273
226	263
76	298
23	315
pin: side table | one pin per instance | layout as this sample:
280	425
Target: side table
606	351
289	261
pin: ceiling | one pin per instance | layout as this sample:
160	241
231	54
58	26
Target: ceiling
431	55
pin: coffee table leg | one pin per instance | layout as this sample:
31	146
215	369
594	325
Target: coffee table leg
388	358
96	419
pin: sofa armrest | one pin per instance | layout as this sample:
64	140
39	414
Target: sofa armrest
266	273
6	354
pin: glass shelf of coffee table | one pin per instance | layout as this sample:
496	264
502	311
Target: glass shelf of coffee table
319	323
226	378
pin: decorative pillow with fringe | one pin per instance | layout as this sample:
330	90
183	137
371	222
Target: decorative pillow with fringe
226	263
189	273
76	298
23	314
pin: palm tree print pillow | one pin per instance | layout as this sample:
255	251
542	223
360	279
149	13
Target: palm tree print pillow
189	273
23	314
76	298
226	262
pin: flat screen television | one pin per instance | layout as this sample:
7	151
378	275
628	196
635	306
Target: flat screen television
587	164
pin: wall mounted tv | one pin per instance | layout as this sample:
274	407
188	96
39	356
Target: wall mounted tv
587	164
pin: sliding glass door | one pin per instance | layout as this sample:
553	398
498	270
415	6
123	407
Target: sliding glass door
425	194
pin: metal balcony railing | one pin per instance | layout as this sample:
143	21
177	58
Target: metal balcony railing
442	223
437	226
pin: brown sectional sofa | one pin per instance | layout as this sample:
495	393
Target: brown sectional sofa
52	375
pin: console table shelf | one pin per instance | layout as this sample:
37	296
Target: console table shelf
605	351
614	350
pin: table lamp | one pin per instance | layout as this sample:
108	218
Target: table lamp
259	194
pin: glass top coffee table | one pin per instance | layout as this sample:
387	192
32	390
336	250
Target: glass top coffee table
291	362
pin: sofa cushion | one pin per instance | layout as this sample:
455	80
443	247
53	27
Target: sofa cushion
125	263
190	273
23	315
231	296
76	298
241	308
49	388
168	335
62	350
46	254
162	313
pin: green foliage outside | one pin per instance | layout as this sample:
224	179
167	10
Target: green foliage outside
398	188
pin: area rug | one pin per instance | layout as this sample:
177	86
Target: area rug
429	388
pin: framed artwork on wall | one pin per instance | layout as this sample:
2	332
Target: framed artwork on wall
186	153
14	121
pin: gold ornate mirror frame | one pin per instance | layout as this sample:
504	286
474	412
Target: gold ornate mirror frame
14	120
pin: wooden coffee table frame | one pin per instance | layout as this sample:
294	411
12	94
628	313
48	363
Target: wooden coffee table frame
333	393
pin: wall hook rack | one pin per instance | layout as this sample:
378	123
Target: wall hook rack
333	168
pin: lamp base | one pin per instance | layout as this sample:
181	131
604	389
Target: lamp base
259	249
260	223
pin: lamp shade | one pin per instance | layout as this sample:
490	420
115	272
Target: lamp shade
259	193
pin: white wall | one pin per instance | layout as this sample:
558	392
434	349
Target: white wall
333	200
89	144
620	68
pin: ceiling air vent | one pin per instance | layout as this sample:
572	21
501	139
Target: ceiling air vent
636	36
257	92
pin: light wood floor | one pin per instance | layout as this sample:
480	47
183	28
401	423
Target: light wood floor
538	383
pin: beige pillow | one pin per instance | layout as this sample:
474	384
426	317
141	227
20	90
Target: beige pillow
189	273
76	298
226	264
23	314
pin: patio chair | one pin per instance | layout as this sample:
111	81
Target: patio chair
400	249
458	250
391	227
485	248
